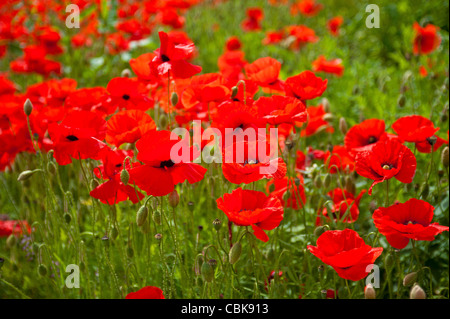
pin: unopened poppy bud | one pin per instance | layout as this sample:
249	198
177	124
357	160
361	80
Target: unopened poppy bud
369	292
343	125
42	270
174	98
126	73
174	198
26	175
350	185
141	215
94	183
51	168
130	252
235	253
444	157
145	228
410	279
417	293
326	105
157	217
163	121
207	271
114	233
389	261
28	107
401	101
234	91
11	241
158	237
217	223
320	230
406	76
124	176
318	182
327	181
67	218
328	117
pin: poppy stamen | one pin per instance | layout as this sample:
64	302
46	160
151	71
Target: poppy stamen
166	164
165	58
126	97
72	138
385	166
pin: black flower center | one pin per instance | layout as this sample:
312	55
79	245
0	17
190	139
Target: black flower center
165	58
72	138
125	97
166	164
372	139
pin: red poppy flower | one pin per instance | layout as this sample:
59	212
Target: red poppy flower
148	292
410	220
252	208
279	109
114	191
414	128
125	93
233	43
265	73
273	37
426	39
243	163
160	173
13	227
78	136
293	187
344	203
253	20
6	86
386	159
346	252
231	65
304	160
333	66
339	160
301	35
308	8
94	99
305	86
172	58
429	145
128	126
141	67
334	24
316	121
364	135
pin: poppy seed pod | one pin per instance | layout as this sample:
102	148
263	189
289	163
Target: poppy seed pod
369	292
207	271
417	293
217	223
235	253
350	185
444	157
174	98
410	279
163	121
343	125
124	176
174	198
141	215
28	107
157	217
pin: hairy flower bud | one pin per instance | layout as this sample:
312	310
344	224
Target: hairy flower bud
51	168
174	198
234	91
42	270
444	157
417	293
369	292
26	175
141	215
235	253
320	230
157	217
343	125
207	271
124	176
401	101
410	279
174	98
28	107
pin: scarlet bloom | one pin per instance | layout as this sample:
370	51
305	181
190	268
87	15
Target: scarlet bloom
160	172
410	220
13	227
171	57
293	187
388	158
426	39
308	8
364	135
125	93
339	159
305	86
301	36
78	136
128	126
233	44
253	20
273	37
252	208
334	24
114	190
265	72
333	66
148	292
346	252
279	109
414	128
316	121
344	204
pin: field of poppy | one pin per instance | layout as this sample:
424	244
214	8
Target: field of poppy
224	149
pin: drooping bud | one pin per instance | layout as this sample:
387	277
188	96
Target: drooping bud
51	168
42	270
174	198
26	175
326	105
207	271
28	107
174	98
234	91
11	241
401	101
417	292
235	253
318	182
141	215
124	176
444	157
327	180
350	185
67	218
410	279
217	223
369	292
157	217
343	125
